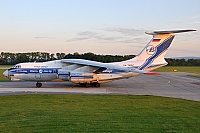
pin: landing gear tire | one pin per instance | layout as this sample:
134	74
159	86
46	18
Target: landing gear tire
82	84
87	85
38	84
97	85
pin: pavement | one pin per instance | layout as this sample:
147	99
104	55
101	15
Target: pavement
167	84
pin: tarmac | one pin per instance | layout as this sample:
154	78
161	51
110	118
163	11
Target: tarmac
166	84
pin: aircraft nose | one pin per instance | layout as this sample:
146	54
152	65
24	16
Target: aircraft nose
5	73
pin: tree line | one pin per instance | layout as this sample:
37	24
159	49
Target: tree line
7	58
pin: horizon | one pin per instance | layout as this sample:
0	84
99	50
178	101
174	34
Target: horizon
101	27
100	54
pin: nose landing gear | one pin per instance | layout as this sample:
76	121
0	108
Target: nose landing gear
38	84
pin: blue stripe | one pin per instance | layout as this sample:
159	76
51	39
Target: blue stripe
34	70
159	50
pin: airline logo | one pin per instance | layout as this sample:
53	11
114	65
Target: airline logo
150	50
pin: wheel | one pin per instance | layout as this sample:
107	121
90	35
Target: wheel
87	85
97	85
38	84
82	84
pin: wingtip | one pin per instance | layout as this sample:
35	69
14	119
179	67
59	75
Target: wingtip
191	29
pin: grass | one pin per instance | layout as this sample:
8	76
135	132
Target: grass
2	77
97	113
192	69
5	66
2	69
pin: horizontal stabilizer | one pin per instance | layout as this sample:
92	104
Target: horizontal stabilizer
169	31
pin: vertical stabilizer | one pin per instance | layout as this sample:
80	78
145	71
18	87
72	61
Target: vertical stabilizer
154	52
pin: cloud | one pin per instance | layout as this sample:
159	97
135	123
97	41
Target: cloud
43	37
109	38
197	22
126	31
135	40
136	46
126	35
92	35
196	17
39	37
84	36
77	39
87	33
184	50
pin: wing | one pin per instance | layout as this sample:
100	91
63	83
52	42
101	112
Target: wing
98	67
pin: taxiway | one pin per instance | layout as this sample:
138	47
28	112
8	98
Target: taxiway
172	84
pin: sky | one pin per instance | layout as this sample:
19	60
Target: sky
114	27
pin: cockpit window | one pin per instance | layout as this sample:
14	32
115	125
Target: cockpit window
16	66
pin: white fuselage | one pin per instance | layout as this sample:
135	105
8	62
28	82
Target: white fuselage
51	70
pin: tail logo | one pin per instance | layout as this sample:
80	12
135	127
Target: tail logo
150	50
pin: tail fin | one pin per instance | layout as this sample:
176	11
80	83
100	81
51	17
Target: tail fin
154	52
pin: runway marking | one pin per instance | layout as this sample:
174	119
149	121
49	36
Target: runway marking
68	89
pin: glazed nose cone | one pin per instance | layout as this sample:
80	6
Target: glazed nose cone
5	73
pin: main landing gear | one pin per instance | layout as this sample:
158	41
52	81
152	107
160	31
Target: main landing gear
87	85
38	84
97	85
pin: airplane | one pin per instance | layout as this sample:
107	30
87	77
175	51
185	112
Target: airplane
91	73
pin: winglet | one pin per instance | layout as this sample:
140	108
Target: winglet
169	31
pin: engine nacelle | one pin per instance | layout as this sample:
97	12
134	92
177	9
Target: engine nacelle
63	74
81	77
